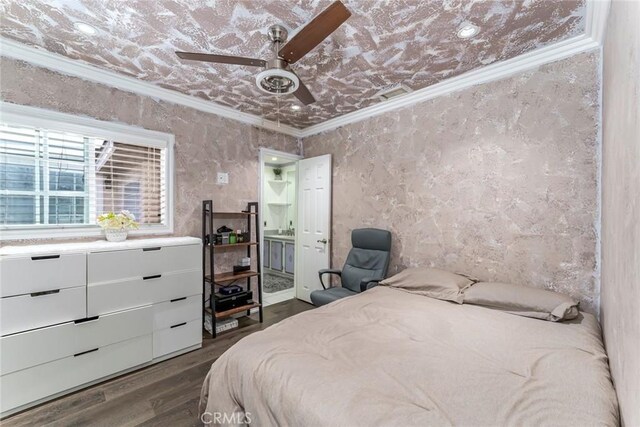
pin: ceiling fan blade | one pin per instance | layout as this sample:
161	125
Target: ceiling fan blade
303	94
315	32
222	59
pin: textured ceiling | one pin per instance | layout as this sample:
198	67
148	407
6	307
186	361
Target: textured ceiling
384	42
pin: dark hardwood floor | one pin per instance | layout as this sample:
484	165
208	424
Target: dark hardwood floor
164	394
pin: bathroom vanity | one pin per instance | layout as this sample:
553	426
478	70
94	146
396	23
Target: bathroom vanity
279	253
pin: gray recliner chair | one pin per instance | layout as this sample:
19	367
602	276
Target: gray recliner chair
366	265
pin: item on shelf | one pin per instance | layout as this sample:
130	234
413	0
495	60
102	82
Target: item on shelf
208	323
227	302
225	235
240	236
221	325
245	261
217	239
277	174
241	268
226	324
233	238
230	290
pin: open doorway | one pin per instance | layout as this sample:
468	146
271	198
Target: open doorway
278	214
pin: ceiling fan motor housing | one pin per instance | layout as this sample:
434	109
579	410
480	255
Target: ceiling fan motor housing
278	33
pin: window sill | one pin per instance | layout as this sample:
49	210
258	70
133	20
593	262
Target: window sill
14	234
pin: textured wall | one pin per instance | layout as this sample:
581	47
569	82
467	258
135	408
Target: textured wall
497	180
621	205
205	143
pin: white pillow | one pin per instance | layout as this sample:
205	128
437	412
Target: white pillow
523	301
430	282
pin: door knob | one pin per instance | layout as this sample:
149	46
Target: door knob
324	241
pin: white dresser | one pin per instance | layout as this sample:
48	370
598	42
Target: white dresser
75	314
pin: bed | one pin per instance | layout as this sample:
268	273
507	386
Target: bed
389	357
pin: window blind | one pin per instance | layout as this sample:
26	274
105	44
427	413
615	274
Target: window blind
50	178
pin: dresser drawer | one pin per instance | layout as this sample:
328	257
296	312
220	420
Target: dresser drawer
28	385
24	275
169	313
27	349
177	337
25	312
118	265
115	296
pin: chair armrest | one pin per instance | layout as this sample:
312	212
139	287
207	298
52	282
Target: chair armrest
369	282
328	271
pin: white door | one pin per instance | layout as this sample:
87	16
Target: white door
314	223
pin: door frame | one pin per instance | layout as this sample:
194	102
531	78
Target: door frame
264	155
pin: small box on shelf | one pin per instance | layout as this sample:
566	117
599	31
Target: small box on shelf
221	325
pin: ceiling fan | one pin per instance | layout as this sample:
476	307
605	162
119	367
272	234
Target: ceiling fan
278	78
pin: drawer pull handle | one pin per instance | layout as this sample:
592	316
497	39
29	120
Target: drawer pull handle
157	276
178	325
85	352
39	294
38	258
178	299
151	249
88	319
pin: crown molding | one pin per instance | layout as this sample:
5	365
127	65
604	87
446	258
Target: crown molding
595	25
596	19
64	65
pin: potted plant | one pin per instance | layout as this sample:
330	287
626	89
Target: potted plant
278	174
116	226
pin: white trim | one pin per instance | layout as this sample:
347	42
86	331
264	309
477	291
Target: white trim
595	24
596	19
62	64
265	153
43	118
40	118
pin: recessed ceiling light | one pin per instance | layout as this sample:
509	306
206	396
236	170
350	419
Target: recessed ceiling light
468	30
273	159
295	107
85	28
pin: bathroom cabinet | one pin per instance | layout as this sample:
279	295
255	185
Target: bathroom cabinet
279	254
289	256
276	255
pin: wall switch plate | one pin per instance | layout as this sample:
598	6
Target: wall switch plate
223	178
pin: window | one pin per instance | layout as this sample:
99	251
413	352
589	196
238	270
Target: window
54	179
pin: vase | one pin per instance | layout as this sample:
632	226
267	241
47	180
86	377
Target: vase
116	235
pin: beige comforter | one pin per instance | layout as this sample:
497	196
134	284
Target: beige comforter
388	357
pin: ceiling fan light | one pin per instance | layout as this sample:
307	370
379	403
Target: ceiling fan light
277	81
468	30
85	28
